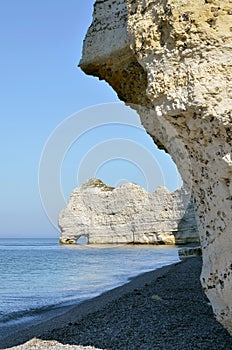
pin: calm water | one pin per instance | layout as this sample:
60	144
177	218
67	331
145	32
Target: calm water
39	274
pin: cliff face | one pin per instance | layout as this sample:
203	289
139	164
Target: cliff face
128	214
171	61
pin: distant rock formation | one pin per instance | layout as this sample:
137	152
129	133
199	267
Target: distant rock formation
127	214
171	61
189	252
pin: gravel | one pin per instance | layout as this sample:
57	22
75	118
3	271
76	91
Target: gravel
37	344
168	311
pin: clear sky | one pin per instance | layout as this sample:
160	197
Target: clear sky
44	98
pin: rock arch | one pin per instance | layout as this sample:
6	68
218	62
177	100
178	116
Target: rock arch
128	214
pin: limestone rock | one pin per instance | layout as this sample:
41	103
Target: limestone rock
171	61
38	344
189	252
127	214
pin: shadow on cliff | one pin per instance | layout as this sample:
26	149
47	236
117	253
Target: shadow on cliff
187	230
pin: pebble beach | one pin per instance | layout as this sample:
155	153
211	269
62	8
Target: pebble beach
161	309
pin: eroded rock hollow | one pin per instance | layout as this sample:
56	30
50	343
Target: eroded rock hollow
171	61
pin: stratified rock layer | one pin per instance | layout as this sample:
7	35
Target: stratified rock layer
128	214
171	60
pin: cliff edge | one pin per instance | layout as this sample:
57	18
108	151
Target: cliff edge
171	61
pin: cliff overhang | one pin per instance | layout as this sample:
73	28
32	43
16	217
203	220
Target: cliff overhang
171	61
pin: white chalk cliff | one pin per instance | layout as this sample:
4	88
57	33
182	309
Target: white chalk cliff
171	60
128	214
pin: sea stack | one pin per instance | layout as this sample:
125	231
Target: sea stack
128	214
171	61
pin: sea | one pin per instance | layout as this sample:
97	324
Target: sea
39	275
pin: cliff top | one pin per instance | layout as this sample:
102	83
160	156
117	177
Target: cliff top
95	183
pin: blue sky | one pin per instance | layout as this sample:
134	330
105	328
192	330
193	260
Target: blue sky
42	91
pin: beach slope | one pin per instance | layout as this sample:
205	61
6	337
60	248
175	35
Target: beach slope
162	309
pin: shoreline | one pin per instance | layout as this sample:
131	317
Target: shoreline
55	318
117	275
161	309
